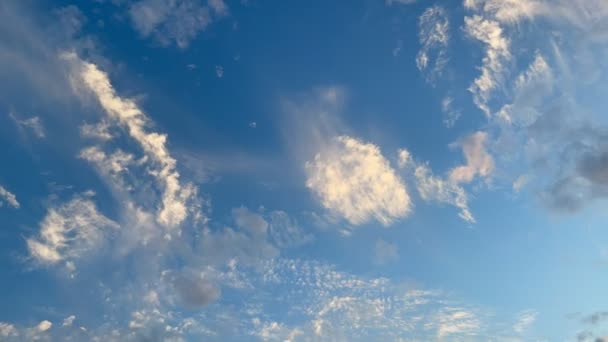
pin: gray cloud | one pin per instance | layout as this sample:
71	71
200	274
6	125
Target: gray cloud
195	291
177	21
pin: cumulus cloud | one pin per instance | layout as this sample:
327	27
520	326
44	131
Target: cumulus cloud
8	198
353	180
479	161
434	36
44	326
69	232
176	21
174	207
497	54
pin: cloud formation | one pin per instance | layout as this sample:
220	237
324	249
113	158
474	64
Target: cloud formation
353	180
497	54
8	198
174	207
69	232
434	36
478	161
176	21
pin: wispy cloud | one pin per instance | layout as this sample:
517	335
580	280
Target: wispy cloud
176	21
70	231
33	123
434	36
497	54
8	198
174	207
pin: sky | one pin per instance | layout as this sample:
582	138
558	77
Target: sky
248	170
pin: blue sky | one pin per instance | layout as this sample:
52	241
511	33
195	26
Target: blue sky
399	170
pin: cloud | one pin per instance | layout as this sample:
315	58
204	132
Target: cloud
8	198
68	321
195	291
219	71
174	208
510	11
531	87
100	131
451	115
34	124
354	180
285	232
456	321
524	321
8	330
434	36
44	326
479	161
176	21
385	252
281	229
497	54
433	188
250	221
69	232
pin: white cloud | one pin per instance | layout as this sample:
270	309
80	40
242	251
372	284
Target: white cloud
8	197
434	36
524	321
493	66
44	326
456	321
8	330
174	207
479	161
68	321
510	11
69	232
433	188
100	131
404	158
354	180
385	252
176	21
